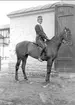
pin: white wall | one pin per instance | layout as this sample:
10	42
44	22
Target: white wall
23	28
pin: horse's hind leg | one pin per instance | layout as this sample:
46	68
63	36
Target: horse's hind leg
23	66
17	67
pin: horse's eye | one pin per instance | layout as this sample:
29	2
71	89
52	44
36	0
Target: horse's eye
69	32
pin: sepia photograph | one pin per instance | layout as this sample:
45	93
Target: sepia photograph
37	52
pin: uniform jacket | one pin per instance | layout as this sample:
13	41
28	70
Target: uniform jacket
40	33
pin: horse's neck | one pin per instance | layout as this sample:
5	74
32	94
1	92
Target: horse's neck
58	40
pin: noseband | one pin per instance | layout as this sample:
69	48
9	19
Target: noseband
66	35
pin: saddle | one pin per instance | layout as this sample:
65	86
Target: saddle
40	47
37	45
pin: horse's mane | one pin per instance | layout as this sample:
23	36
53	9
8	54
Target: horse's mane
52	39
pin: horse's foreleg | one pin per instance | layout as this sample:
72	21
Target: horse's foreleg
17	67
23	66
49	66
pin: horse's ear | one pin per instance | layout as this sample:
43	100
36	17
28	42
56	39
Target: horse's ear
65	28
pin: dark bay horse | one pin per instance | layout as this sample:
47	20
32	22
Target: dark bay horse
25	48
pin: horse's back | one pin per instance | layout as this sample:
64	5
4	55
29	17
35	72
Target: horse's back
26	47
34	50
24	44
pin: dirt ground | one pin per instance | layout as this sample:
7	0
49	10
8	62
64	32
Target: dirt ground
60	91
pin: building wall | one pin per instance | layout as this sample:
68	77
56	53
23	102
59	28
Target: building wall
23	28
4	41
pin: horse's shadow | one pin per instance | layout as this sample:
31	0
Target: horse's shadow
40	83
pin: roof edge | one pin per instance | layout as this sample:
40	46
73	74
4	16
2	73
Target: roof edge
32	10
30	13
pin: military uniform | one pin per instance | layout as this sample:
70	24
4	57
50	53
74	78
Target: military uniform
40	36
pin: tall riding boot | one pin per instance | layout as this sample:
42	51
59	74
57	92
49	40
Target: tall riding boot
40	59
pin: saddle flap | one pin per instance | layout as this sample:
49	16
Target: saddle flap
37	45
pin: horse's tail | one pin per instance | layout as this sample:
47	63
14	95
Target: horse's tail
16	49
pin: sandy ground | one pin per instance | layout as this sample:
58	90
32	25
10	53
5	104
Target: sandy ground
60	91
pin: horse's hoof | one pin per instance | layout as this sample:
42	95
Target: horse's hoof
26	79
28	82
47	81
45	84
31	83
16	80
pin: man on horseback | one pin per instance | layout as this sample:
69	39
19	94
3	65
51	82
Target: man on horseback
40	36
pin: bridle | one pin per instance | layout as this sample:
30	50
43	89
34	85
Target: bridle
67	31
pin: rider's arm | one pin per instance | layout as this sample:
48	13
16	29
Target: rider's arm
40	32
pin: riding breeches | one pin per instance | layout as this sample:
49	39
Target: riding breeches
41	43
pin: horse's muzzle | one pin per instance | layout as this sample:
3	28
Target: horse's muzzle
70	43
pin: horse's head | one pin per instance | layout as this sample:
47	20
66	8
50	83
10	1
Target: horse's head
67	36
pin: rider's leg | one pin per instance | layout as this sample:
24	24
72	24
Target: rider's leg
43	46
43	50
